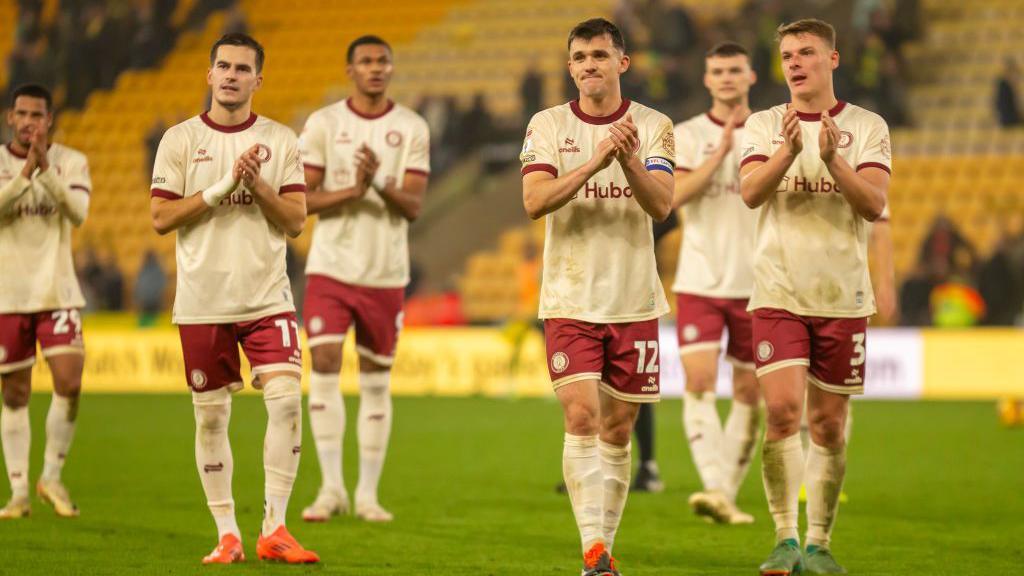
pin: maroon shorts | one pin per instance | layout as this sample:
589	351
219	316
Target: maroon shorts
57	331
623	358
702	319
833	349
211	350
331	307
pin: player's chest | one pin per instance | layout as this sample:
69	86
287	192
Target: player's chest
387	141
210	158
35	204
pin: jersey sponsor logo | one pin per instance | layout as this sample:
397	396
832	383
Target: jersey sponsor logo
159	180
612	190
765	350
690	332
652	385
529	158
559	362
886	148
263	153
343	138
845	139
855	377
821	186
202	156
747	151
316	324
569	147
24	210
393	138
240	197
198	378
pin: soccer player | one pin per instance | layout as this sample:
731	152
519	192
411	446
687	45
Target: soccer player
713	284
819	169
44	192
230	182
366	161
600	168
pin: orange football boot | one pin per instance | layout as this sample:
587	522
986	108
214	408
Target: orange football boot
228	551
282	547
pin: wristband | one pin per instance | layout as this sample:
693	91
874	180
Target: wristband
217	192
380	182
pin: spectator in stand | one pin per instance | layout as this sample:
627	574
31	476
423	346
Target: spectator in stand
944	247
1007	108
531	92
149	289
999	278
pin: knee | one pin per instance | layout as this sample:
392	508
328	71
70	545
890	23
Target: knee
700	381
284	393
213	410
326	358
783	418
745	388
581	420
617	428
16	390
827	428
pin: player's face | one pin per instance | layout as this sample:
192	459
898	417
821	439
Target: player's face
233	77
807	63
728	78
595	65
28	116
371	69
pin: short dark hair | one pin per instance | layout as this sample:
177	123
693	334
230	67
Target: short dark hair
595	27
726	49
239	39
367	40
811	26
33	91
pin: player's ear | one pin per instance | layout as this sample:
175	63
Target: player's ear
834	57
623	64
753	77
209	76
259	82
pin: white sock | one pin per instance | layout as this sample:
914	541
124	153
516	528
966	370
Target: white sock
282	446
16	437
826	468
615	468
584	481
60	430
213	457
374	429
738	443
782	471
703	429
327	419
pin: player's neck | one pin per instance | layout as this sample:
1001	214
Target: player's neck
369	104
229	116
722	111
815	103
605	106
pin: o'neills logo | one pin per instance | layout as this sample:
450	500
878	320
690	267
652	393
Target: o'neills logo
201	156
569	146
820	185
594	190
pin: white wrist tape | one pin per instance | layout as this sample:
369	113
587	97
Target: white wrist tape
219	191
380	182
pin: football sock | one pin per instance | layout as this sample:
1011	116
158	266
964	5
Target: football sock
374	429
60	430
826	468
327	420
644	430
213	456
615	469
738	443
704	431
282	445
584	481
782	471
16	437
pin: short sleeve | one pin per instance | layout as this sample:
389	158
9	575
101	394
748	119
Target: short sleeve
876	149
294	179
418	160
78	174
661	147
687	148
312	143
169	168
756	139
539	152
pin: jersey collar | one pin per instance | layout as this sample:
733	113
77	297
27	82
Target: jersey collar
15	153
722	122
613	117
816	117
205	117
388	108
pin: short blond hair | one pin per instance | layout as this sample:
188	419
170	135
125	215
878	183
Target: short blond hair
811	26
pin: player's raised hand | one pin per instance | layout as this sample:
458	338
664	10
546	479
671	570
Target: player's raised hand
603	156
725	144
828	138
626	137
38	147
249	168
367	163
791	132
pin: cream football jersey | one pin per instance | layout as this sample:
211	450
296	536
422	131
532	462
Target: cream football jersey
36	270
599	250
364	242
231	262
718	228
811	247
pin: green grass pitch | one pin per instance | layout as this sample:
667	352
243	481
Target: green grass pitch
936	488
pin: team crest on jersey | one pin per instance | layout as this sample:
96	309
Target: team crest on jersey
198	378
845	139
690	332
316	324
765	351
668	142
393	138
886	148
263	153
559	362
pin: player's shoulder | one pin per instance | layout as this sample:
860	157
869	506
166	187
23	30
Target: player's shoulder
273	129
553	115
861	117
643	114
407	116
329	113
696	123
67	153
770	115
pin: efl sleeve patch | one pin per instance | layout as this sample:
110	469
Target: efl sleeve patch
656	163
